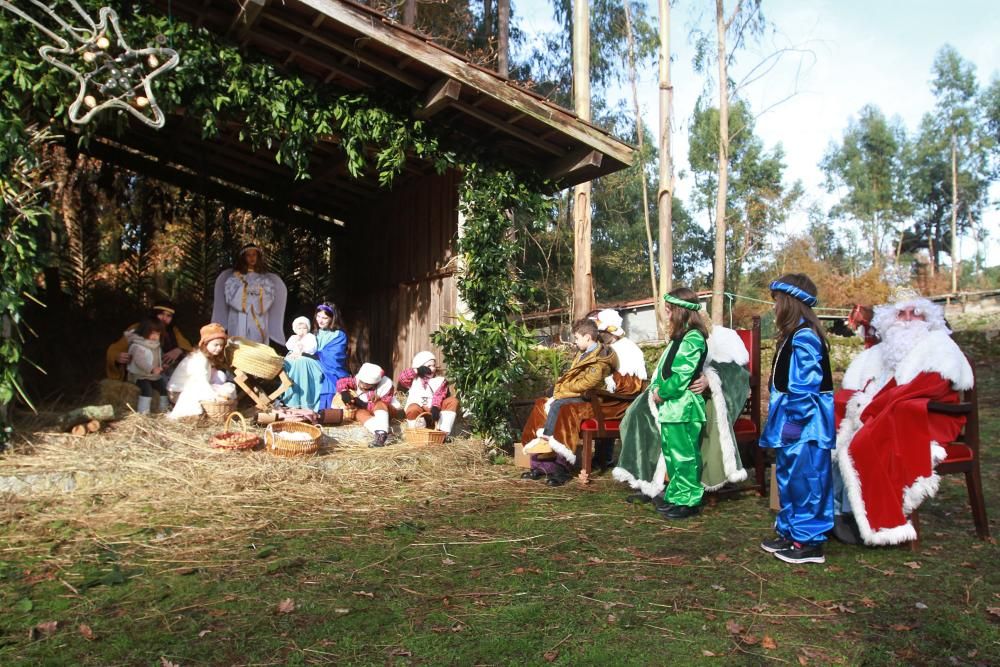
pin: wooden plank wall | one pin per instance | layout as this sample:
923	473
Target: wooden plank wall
399	266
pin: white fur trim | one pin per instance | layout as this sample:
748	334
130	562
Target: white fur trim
938	453
921	489
725	345
734	475
865	367
630	359
652	488
562	449
936	353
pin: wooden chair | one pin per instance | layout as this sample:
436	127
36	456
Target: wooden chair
598	427
747	426
962	458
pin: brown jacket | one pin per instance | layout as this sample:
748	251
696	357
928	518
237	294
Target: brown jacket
587	372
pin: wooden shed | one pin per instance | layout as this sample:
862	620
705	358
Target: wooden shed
396	264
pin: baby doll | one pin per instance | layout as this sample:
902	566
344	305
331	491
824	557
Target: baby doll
301	342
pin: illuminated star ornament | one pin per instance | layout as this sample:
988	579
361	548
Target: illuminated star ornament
108	73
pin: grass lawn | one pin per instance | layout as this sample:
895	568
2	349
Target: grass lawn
492	570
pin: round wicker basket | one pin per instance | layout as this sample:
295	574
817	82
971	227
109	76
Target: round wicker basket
424	436
218	410
297	446
256	359
235	440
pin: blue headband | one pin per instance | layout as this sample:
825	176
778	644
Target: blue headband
325	308
793	291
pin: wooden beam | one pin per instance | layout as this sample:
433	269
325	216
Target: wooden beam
513	130
405	44
246	16
440	95
349	50
105	151
564	168
336	70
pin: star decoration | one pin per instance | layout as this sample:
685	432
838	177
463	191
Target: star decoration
108	73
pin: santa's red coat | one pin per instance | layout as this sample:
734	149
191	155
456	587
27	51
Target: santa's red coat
888	466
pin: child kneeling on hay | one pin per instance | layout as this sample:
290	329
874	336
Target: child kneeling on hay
428	395
370	395
201	376
593	363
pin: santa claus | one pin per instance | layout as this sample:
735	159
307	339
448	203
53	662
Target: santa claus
888	442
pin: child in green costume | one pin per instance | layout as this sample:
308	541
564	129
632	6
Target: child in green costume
681	412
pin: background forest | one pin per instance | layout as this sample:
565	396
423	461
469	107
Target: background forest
120	240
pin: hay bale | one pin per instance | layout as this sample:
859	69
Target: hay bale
122	395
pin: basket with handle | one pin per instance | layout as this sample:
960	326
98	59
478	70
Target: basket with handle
292	439
424	436
235	440
218	409
256	359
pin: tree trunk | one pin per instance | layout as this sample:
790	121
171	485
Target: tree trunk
503	38
954	213
639	134
665	187
487	22
719	277
409	12
583	289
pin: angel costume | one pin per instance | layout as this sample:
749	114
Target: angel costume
251	304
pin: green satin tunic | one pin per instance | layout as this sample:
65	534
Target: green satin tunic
679	403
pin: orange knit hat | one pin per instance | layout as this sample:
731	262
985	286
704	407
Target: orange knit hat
211	332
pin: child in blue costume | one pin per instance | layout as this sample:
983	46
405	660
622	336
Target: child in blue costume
800	424
681	412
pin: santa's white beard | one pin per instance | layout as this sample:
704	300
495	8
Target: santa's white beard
900	339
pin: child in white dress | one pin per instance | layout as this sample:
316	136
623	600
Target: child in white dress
302	342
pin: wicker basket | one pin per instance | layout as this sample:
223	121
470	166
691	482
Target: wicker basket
235	440
218	410
256	359
279	446
424	436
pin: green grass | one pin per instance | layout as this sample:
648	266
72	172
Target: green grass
513	573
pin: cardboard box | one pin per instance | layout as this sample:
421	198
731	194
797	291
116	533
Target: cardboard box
775	504
521	459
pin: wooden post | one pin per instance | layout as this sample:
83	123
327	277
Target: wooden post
665	188
954	213
503	37
583	287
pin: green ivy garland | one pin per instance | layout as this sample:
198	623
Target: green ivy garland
218	84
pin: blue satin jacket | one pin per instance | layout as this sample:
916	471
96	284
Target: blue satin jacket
801	393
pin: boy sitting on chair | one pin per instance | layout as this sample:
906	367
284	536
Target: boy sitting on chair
594	362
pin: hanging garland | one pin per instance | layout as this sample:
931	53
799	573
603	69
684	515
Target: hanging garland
216	83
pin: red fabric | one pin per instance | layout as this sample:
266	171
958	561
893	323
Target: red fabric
744	426
591	425
892	448
840	399
958	453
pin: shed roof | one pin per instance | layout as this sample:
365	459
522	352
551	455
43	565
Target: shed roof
356	48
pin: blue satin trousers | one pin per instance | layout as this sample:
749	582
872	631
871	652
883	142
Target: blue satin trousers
805	490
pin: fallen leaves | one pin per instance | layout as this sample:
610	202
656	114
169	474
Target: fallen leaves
286	606
912	564
993	611
550	656
42	630
768	643
364	594
86	632
733	627
899	627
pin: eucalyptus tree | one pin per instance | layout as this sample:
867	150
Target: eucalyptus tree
757	199
958	115
866	170
743	21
